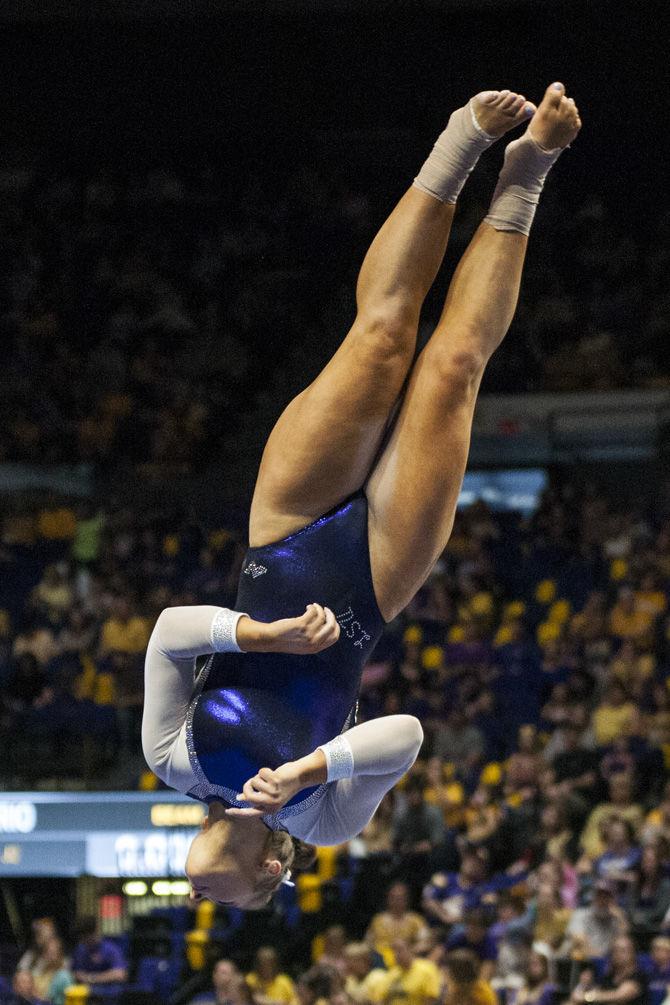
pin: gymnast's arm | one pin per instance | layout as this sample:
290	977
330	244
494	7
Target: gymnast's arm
183	633
363	764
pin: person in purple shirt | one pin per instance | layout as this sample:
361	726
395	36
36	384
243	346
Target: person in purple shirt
96	960
473	934
449	895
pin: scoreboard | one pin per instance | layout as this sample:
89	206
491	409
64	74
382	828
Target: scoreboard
124	834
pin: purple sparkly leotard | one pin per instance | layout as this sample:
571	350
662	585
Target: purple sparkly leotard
263	709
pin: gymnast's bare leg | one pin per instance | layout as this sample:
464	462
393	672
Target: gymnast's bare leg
413	490
325	443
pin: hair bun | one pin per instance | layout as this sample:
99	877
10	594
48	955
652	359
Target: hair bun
305	854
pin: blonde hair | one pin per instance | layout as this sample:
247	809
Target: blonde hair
293	854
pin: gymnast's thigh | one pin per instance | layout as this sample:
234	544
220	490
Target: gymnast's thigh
325	442
414	488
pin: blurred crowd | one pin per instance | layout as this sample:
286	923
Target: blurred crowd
526	854
525	942
147	320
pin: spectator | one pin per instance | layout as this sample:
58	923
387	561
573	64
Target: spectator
629	619
575	766
537	988
78	634
362	977
464	984
659	970
657	824
55	977
43	930
411	981
267	980
555	838
96	960
592	930
319	986
334	944
23	987
623	977
36	640
523	766
124	631
648	899
419	829
613	715
459	741
551	917
620	804
396	922
52	596
226	982
621	858
512	936
377	835
474	935
449	895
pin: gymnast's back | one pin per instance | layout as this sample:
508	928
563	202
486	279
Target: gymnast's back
254	709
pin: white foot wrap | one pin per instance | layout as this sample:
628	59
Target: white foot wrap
520	183
454	155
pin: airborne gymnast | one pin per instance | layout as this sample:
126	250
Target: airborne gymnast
354	503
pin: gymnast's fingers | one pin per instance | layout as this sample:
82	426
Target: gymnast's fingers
269	776
329	632
258	784
311	616
247	811
249	791
320	615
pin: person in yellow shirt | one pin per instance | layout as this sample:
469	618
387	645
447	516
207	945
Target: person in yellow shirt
463	985
412	981
628	619
651	597
363	982
620	804
396	922
124	632
266	981
613	715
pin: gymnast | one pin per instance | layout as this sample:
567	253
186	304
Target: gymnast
354	503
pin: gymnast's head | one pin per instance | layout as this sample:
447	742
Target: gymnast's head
240	862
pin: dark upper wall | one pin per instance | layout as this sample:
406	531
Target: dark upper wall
136	10
259	79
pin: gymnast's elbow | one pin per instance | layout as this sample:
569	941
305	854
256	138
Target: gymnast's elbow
413	736
157	759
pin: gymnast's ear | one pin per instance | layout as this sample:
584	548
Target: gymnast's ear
205	823
272	867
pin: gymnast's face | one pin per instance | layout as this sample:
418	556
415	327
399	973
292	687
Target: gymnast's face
227	867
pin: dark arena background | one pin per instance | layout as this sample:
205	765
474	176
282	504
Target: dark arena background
187	191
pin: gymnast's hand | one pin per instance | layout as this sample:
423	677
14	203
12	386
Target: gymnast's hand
314	631
270	789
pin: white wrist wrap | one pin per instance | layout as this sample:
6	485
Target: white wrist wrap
223	632
339	758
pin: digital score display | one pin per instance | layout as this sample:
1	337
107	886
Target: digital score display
122	834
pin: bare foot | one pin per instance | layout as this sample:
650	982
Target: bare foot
557	121
499	111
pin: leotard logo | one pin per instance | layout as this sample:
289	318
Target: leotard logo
254	570
352	628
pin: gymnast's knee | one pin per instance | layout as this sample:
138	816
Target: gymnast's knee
457	372
388	335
